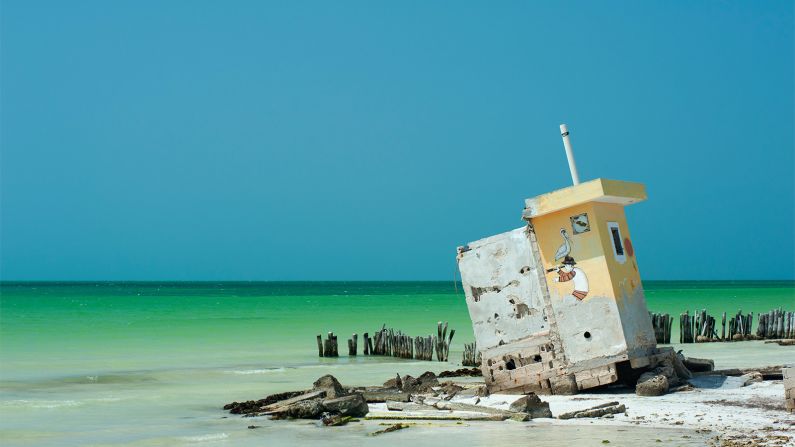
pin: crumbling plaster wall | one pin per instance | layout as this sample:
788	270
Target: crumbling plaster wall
503	293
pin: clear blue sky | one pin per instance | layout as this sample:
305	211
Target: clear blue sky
366	140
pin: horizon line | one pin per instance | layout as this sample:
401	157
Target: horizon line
96	281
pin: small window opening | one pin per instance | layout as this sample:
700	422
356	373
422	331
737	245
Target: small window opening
618	245
510	364
536	358
617	241
587	335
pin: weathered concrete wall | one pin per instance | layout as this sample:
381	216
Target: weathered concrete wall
503	294
789	388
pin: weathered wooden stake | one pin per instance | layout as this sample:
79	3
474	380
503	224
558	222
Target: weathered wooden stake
723	327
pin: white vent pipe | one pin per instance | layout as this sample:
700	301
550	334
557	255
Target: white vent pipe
564	132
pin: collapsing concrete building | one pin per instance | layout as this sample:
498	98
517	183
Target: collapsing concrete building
557	306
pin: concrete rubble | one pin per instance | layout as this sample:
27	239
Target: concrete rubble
745	407
327	400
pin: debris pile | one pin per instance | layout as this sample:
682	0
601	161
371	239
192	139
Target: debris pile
327	400
420	398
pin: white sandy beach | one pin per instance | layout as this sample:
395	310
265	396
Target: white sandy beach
718	411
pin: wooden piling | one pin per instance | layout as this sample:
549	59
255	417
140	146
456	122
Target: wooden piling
723	327
471	356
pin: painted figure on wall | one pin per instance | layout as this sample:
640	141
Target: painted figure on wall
567	271
565	249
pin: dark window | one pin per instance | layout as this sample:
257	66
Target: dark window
617	241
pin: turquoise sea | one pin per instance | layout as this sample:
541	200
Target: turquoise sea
142	363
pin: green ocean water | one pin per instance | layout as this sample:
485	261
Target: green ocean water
87	325
151	363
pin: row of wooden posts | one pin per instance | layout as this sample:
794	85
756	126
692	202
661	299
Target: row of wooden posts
388	342
328	347
471	355
662	327
702	327
777	323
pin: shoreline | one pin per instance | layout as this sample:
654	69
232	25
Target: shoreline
724	410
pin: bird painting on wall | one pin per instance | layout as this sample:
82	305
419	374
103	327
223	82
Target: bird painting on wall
565	249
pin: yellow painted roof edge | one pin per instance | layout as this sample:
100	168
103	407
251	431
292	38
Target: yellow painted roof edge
599	190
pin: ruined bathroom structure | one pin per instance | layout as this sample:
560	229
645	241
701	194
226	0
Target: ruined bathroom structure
557	305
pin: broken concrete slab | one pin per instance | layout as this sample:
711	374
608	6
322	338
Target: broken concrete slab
305	409
430	416
330	385
350	405
698	365
651	384
716	382
458	406
751	377
532	405
768	372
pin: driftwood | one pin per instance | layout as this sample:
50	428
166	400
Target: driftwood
275	407
597	411
391	428
409	406
429	416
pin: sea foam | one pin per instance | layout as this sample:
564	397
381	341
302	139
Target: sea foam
204	438
256	371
